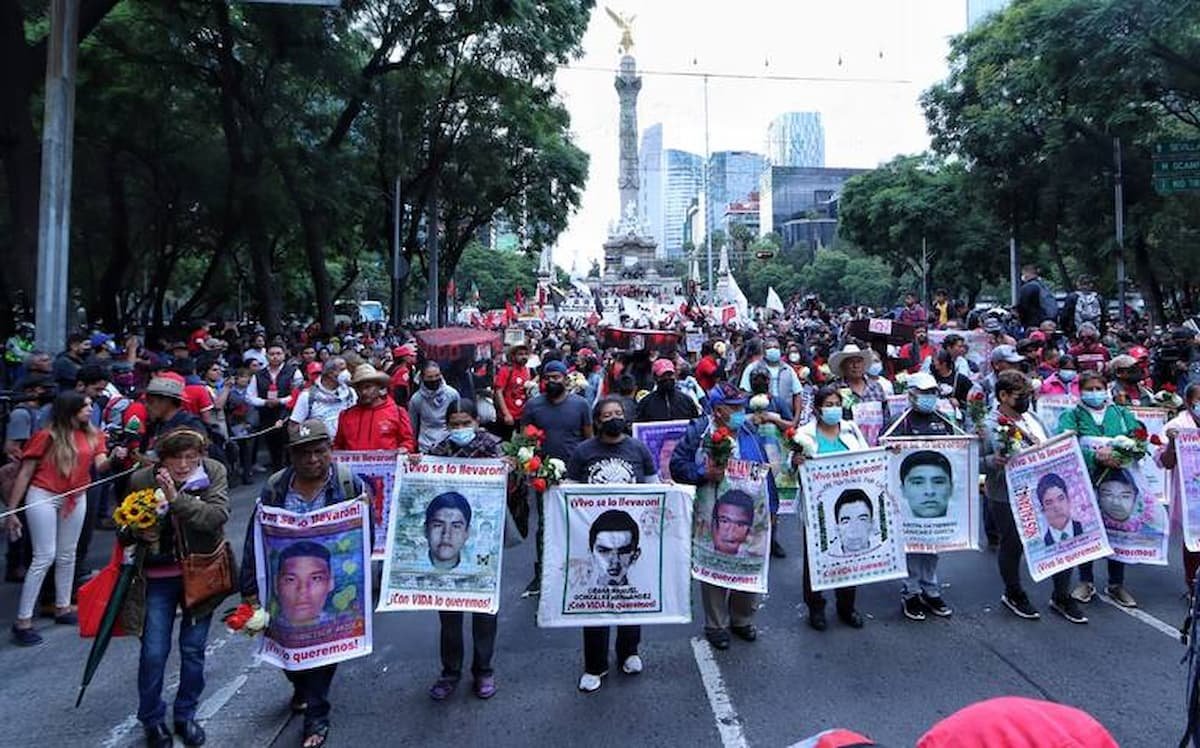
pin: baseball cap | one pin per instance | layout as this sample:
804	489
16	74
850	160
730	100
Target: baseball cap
1005	353
922	381
312	430
401	351
166	387
662	366
554	367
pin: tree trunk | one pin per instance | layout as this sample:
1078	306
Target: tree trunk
121	257
1147	279
21	154
270	304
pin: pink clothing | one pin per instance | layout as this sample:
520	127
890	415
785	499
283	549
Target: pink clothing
1052	385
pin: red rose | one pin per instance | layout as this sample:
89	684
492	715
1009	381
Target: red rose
534	463
539	484
790	433
239	617
1140	434
1169	387
722	434
1004	421
976	396
1156	441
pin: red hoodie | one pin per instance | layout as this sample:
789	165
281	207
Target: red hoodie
380	426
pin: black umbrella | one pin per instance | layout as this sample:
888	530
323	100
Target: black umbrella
104	633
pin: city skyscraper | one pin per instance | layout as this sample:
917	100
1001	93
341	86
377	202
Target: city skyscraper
796	139
650	178
977	10
732	176
683	180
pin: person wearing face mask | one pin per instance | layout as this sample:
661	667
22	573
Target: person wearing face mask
875	375
1088	351
1096	415
566	420
1064	381
1127	377
373	422
921	593
326	398
666	402
612	456
725	610
1188	418
1013	397
832	433
427	406
784	385
466	440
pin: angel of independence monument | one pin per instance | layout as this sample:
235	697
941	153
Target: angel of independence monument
629	253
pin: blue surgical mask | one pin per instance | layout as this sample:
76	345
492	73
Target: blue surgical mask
1196	410
926	403
462	437
831	415
1094	398
1067	375
772	355
875	369
736	420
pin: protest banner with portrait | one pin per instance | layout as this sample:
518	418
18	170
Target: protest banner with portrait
937	480
731	529
1187	474
868	417
445	540
660	438
1137	523
616	554
1050	409
1155	421
779	456
852	520
1054	507
377	470
315	570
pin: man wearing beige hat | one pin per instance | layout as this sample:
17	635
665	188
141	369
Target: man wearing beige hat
164	405
373	422
850	367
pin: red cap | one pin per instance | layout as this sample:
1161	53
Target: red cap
401	351
662	366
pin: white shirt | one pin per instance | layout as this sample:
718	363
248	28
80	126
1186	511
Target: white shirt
318	402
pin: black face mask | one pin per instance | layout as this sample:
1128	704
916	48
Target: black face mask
432	384
758	388
1021	403
666	385
555	389
612	427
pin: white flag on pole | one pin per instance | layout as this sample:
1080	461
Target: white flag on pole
773	301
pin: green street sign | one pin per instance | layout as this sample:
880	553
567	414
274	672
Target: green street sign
1177	166
1176	149
1172	185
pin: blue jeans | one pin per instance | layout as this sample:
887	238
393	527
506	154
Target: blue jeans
922	576
163	597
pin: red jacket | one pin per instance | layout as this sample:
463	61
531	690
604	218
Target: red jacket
380	426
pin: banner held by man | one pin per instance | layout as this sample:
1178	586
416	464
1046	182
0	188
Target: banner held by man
377	470
731	529
937	479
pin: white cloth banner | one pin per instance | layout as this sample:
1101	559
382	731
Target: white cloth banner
445	541
1137	523
1054	507
1187	472
377	470
616	555
852	520
314	577
731	529
937	480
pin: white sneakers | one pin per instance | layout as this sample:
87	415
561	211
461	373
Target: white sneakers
589	683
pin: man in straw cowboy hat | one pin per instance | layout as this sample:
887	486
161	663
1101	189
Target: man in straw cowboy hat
374	422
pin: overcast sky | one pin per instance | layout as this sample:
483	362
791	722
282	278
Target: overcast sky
889	51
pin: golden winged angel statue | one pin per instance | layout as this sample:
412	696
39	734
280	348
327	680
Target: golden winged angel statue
626	25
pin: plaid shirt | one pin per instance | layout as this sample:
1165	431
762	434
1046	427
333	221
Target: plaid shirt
483	445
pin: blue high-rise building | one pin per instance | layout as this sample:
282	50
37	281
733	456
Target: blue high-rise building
796	139
732	176
650	183
683	181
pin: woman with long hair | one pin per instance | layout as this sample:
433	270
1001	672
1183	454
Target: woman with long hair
56	465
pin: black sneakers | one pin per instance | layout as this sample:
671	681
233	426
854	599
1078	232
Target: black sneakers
914	609
1068	609
937	606
1018	603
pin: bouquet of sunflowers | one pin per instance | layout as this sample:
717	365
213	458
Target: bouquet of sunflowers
141	510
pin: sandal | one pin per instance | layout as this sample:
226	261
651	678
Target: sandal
441	690
320	731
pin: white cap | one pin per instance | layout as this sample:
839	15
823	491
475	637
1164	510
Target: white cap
922	381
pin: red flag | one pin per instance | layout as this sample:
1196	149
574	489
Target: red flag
520	297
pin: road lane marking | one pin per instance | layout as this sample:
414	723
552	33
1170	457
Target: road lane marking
729	725
1143	616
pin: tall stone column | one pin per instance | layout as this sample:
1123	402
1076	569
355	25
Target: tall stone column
628	83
